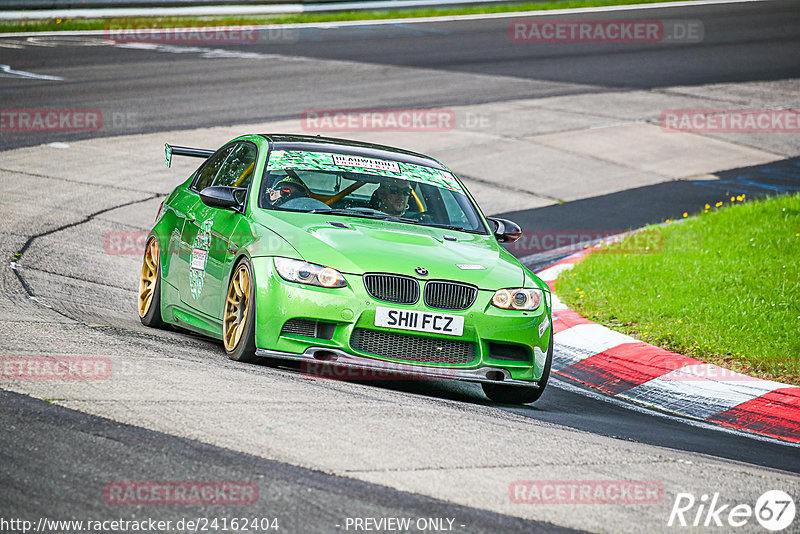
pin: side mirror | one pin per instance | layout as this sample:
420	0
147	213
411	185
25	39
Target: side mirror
218	196
504	230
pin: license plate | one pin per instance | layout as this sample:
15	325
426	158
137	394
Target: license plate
421	321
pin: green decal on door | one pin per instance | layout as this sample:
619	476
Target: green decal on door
200	248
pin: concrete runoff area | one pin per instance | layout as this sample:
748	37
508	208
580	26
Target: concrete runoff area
74	194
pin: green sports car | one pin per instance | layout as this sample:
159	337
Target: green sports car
346	255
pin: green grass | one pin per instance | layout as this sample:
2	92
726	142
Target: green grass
724	287
178	22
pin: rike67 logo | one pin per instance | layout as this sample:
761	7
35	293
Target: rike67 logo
774	511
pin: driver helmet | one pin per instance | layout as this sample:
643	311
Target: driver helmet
288	188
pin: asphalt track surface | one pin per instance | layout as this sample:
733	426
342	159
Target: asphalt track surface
466	63
640	206
111	451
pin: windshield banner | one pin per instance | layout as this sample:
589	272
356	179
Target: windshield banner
324	161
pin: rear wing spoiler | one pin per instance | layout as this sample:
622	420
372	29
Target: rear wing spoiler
170	151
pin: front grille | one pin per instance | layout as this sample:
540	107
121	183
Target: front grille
307	327
450	295
412	348
392	288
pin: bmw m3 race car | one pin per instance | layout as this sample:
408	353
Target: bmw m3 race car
346	254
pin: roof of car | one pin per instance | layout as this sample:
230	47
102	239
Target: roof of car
316	143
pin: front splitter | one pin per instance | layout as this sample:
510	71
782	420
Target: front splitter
322	357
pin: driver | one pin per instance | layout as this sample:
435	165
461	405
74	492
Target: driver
287	189
392	197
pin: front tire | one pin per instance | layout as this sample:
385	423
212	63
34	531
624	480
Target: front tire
150	286
239	315
521	394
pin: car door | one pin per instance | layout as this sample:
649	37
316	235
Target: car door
182	258
209	234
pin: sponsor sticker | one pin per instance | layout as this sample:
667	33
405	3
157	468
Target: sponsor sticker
199	257
324	161
544	325
365	163
470	267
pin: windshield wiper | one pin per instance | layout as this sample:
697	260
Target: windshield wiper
401	219
370	213
448	227
353	212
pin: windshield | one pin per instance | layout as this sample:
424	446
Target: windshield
339	184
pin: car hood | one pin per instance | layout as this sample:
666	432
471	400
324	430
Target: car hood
368	245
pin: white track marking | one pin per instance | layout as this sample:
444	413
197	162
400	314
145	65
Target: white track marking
557	305
7	72
207	53
551	273
689	390
585	340
38	41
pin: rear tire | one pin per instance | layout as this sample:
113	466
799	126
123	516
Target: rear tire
150	286
521	394
239	315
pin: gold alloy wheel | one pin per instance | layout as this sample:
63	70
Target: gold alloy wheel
147	282
236	308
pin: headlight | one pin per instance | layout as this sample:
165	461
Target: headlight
309	273
517	299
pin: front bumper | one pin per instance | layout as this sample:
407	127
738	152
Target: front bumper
350	309
317	359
